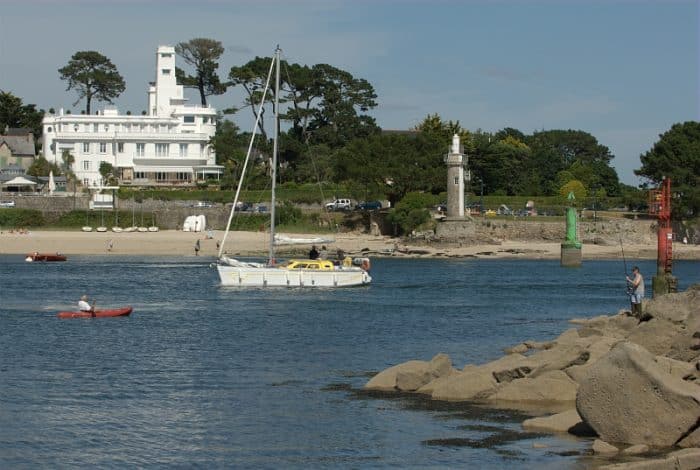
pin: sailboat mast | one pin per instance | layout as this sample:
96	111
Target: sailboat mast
271	259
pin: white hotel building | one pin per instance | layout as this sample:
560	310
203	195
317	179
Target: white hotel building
169	145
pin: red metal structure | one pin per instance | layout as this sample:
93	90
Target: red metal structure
660	206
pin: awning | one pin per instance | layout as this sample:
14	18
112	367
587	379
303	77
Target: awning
19	181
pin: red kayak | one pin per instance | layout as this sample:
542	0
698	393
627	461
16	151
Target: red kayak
114	312
36	256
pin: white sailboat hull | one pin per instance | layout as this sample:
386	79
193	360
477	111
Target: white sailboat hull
243	276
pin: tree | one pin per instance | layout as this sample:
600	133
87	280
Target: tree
68	161
676	155
15	114
203	55
577	188
252	77
393	164
107	172
41	167
92	76
324	104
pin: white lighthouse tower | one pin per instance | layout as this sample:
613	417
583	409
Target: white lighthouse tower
456	161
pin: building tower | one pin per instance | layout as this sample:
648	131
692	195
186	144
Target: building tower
456	161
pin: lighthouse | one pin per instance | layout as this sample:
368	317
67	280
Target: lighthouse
456	161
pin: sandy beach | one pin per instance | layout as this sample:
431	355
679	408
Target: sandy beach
177	243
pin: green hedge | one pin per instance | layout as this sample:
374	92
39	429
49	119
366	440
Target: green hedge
17	218
80	218
294	193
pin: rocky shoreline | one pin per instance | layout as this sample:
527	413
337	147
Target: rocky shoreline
631	386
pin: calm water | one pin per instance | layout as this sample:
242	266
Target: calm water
204	376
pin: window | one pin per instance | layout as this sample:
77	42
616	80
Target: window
103	147
166	54
95	128
188	119
165	71
162	150
48	129
456	180
183	176
106	127
140	175
205	120
86	182
120	147
86	147
86	165
161	176
183	150
140	150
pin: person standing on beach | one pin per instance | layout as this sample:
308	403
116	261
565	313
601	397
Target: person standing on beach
110	245
196	247
636	288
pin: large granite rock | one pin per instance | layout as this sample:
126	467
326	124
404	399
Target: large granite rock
627	397
411	375
462	386
560	422
549	387
681	307
657	335
686	459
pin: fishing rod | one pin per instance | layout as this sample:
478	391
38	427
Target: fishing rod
624	261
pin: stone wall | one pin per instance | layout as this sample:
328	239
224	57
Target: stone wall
607	231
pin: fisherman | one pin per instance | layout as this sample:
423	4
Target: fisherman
313	254
635	286
84	306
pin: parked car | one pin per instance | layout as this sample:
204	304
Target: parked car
202	204
368	206
7	204
260	208
243	206
339	205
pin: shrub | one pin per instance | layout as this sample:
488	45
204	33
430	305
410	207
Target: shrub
21	218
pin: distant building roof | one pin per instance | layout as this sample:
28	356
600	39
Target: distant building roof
20	145
17	131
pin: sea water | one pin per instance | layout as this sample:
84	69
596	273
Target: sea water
211	377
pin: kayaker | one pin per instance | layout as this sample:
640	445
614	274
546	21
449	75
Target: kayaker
84	306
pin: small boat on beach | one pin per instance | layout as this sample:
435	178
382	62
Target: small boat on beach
113	312
36	256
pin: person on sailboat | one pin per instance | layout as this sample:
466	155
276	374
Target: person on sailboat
84	306
323	254
313	254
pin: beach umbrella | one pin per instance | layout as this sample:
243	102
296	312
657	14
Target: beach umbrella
52	183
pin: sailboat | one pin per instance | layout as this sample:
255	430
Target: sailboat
294	272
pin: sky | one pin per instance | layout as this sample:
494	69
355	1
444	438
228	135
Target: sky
623	70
